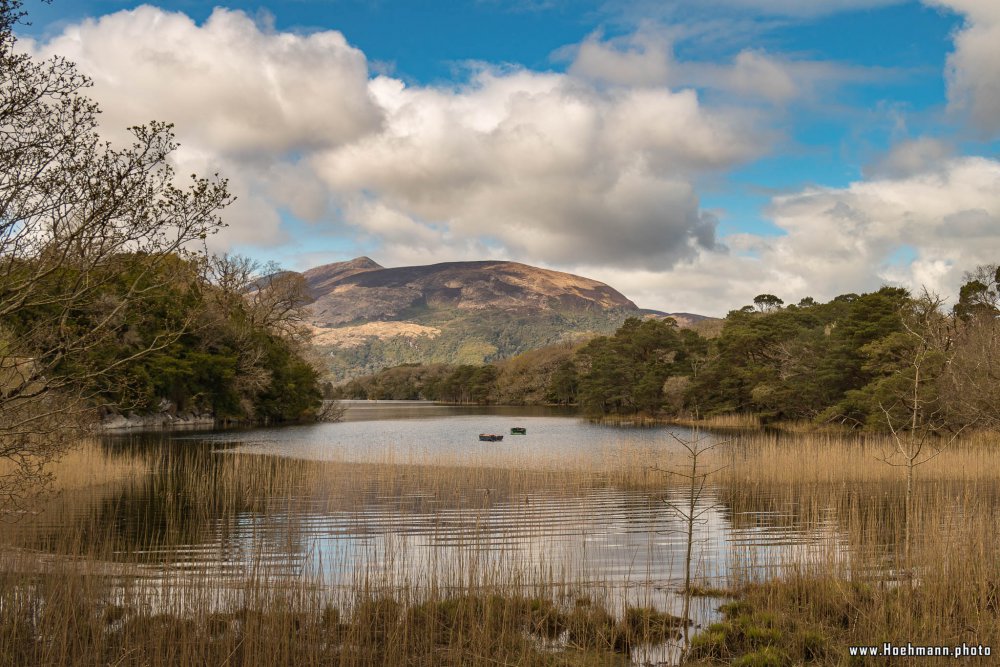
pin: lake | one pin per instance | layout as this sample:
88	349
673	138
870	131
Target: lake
404	497
559	512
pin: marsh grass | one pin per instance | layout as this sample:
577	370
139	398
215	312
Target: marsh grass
88	465
858	587
88	582
740	421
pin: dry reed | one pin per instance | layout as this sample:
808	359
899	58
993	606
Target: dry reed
92	585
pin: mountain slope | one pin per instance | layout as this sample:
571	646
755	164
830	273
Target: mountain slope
322	278
366	317
360	290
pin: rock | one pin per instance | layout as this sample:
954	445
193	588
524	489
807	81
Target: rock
156	420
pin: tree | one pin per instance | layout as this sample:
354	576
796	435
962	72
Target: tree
974	380
767	302
266	296
625	373
980	295
251	299
76	215
565	384
689	507
909	395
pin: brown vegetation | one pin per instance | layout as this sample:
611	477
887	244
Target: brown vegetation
91	603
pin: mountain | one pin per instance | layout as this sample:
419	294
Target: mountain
361	290
366	317
323	278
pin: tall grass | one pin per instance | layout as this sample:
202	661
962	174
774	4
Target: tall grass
91	580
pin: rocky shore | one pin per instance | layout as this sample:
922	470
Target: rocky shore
166	416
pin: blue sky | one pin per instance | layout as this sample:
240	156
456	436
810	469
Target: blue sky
710	150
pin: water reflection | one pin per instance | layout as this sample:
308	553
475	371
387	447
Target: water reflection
339	502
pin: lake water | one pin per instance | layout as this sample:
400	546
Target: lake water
406	493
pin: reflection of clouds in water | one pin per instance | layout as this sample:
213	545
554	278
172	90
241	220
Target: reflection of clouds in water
415	528
606	536
504	513
453	439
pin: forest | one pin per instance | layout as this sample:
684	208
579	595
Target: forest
878	360
208	335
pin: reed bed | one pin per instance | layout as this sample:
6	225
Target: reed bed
93	584
865	593
85	466
91	581
739	421
777	458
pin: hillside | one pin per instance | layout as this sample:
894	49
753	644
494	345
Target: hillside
366	317
361	291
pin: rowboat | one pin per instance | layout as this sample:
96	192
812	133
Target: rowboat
518	430
490	437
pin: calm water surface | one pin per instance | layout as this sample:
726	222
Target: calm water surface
380	510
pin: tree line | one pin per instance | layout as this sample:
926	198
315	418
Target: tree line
886	360
109	299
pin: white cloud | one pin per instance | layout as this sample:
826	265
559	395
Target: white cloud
645	59
986	11
230	85
537	166
911	157
754	73
844	240
546	165
247	102
807	7
642	58
796	9
974	66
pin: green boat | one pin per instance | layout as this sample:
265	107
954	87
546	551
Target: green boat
518	430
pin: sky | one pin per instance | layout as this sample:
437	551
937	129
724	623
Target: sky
690	153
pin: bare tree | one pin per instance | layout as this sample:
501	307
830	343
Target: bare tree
691	509
253	297
88	233
267	296
911	398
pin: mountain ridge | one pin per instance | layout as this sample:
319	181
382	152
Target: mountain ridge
366	317
362	290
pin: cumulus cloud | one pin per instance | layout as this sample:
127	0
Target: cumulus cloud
973	69
232	85
911	157
548	166
246	101
643	58
840	240
598	164
854	231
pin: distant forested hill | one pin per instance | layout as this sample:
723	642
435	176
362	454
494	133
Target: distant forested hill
885	360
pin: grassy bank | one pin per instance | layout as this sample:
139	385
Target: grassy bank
869	592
